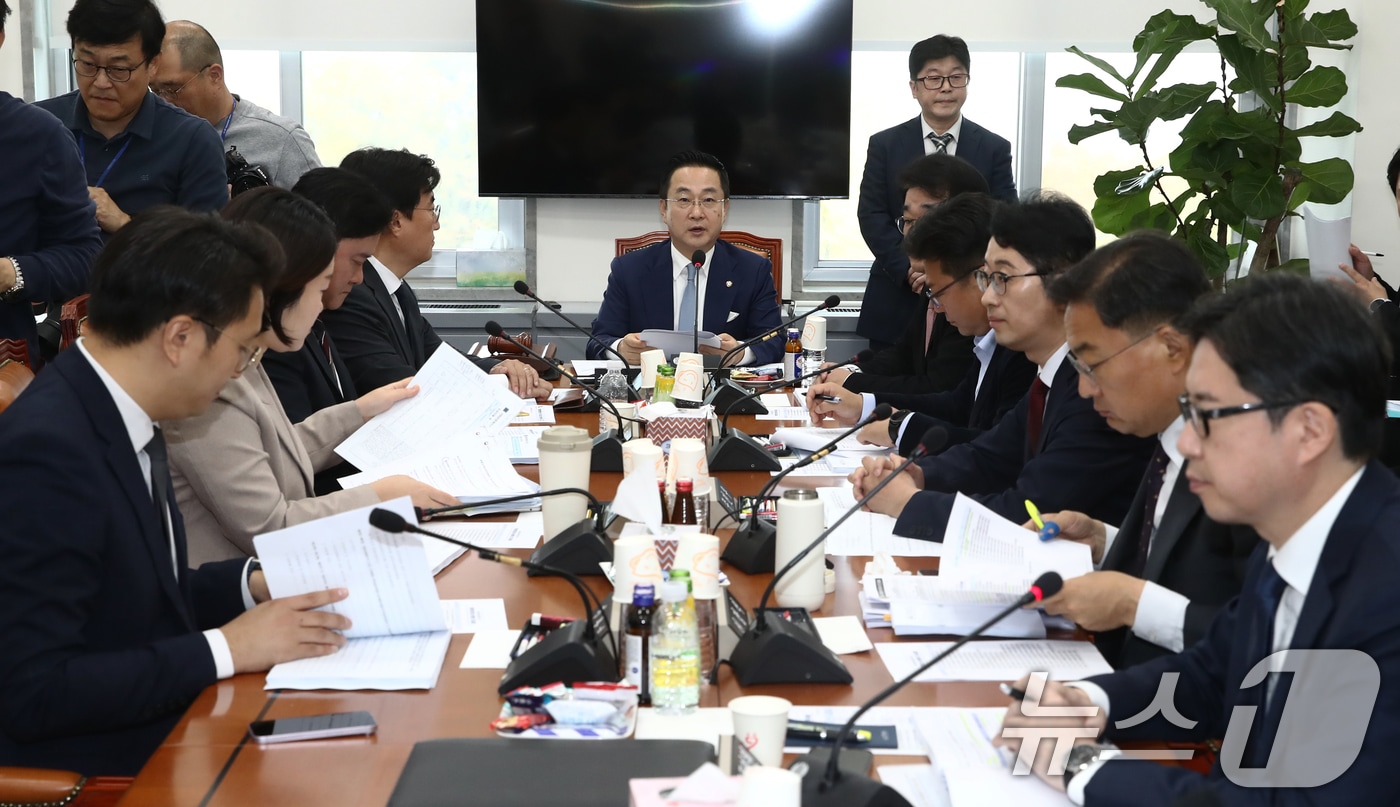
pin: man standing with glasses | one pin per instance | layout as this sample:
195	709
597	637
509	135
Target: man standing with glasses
1053	448
731	294
1165	574
939	73
136	150
192	77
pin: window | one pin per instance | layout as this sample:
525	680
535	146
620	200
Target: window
257	76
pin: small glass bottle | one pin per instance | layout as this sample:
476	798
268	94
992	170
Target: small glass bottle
792	355
665	382
665	505
684	511
637	650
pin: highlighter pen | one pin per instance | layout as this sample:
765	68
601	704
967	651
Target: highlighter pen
1048	529
828	398
1013	692
807	731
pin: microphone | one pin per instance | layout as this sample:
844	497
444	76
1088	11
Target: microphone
521	287
828	786
787	650
577	550
697	260
830	302
571	653
736	451
607	448
863	356
751	549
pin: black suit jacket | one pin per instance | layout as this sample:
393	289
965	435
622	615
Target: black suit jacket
1191	554
889	303
102	643
640	296
1352	604
1080	464
916	365
378	348
966	411
306	384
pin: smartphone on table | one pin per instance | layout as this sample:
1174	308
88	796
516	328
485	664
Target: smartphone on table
314	727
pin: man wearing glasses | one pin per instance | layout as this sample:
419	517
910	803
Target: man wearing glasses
136	150
731	294
1165	573
939	73
192	77
948	244
1053	449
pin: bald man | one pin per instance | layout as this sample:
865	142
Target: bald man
191	76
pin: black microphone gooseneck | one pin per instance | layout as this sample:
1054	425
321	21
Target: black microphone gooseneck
389	521
521	287
428	512
863	356
830	302
697	262
933	440
1045	586
494	328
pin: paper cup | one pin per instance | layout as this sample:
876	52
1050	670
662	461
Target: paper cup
690	382
765	786
687	460
643	453
690	358
814	333
650	360
760	723
634	561
698	554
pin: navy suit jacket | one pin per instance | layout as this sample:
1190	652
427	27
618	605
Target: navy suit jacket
1191	554
889	304
966	411
1352	603
102	643
378	348
305	385
1080	464
916	364
640	297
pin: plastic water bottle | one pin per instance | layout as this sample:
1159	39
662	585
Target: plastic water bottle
675	653
614	388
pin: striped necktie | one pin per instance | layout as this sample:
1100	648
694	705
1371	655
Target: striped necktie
940	142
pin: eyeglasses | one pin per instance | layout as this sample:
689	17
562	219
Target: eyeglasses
998	280
1087	370
436	210
956	81
903	224
1200	418
933	295
169	94
120	75
709	203
248	356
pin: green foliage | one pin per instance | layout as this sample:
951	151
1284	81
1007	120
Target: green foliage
1242	167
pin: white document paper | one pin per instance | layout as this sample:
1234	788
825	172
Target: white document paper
489	535
994	660
778	399
842	635
531	526
412	661
921	618
706	724
440	554
468	469
783	413
819	468
867	533
920	785
972	771
673	342
812	438
489	650
1329	242
986	553
388	576
587	367
901	717
474	616
455	398
519	443
533	413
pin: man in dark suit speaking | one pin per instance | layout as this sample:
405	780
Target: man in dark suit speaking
658	288
939	72
108	635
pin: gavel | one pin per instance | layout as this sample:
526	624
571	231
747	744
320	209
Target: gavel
498	345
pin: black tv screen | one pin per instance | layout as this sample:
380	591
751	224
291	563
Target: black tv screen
590	97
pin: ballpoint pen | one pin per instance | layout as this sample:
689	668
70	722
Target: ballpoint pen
828	398
808	731
1013	692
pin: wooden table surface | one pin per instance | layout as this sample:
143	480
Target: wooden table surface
207	759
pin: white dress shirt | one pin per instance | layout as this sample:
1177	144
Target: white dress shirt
140	429
955	131
680	270
982	347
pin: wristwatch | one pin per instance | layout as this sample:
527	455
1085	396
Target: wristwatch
19	280
1377	303
897	420
1080	757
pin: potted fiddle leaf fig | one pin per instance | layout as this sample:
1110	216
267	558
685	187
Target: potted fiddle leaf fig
1240	157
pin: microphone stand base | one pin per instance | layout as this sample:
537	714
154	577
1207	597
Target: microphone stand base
781	651
851	789
736	451
578	549
753	548
607	453
729	398
566	654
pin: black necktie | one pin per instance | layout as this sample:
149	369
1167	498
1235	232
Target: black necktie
1156	475
160	479
1035	415
1268	592
325	339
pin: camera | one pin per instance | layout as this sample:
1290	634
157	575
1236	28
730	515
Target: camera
242	175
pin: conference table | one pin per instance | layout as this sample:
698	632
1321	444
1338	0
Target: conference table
208	760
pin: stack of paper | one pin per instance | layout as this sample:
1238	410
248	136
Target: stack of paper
398	636
519	443
812	438
867	533
994	660
985	554
969	769
916	605
472	470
